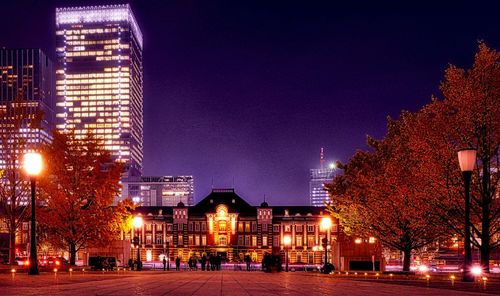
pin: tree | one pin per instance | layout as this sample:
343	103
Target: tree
412	176
78	189
467	116
18	121
378	194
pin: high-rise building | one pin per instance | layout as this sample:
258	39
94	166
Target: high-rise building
99	78
159	191
318	178
26	93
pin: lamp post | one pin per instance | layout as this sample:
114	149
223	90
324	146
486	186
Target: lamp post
467	160
326	225
137	222
33	165
168	255
287	241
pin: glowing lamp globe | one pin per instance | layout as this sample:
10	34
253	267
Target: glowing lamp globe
137	222
467	159
32	163
326	223
287	240
476	270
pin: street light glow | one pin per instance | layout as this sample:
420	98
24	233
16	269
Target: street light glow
287	240
326	223
32	163
476	270
137	222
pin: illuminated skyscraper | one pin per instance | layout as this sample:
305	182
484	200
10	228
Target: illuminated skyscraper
99	78
26	87
318	178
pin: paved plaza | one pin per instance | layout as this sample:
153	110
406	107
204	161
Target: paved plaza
205	284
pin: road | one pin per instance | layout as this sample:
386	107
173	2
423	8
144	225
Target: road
204	284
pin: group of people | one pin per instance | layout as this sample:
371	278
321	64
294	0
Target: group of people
208	263
134	264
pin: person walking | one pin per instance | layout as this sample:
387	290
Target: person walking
131	263
164	263
178	264
203	262
248	260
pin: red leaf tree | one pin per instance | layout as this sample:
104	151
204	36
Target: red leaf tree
379	194
78	189
468	115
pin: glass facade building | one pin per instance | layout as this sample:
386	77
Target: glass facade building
159	191
99	78
26	91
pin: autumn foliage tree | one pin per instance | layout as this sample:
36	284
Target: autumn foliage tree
468	116
78	189
378	194
410	185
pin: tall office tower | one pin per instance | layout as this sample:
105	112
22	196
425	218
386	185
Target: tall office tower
160	191
318	178
26	91
99	79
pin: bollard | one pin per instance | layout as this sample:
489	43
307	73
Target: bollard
452	278
377	275
485	279
428	278
13	273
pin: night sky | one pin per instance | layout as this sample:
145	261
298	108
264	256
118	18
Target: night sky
250	90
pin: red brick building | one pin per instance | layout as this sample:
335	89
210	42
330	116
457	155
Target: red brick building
224	224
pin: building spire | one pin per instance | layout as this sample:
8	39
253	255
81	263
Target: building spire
322	158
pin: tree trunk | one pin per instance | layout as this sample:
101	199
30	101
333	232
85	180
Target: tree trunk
406	259
72	254
12	245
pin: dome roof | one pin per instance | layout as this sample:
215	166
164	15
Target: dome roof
264	205
180	204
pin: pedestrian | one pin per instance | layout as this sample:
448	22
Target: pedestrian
203	262
131	263
190	263
212	262
178	263
248	260
164	263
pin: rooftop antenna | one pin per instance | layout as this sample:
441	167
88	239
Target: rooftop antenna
264	198
321	158
212	182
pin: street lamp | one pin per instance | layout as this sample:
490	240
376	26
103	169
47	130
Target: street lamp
168	255
287	241
33	166
137	222
467	160
326	224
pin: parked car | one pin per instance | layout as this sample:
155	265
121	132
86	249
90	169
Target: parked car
23	261
102	263
54	262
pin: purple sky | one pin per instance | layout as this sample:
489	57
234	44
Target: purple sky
250	90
